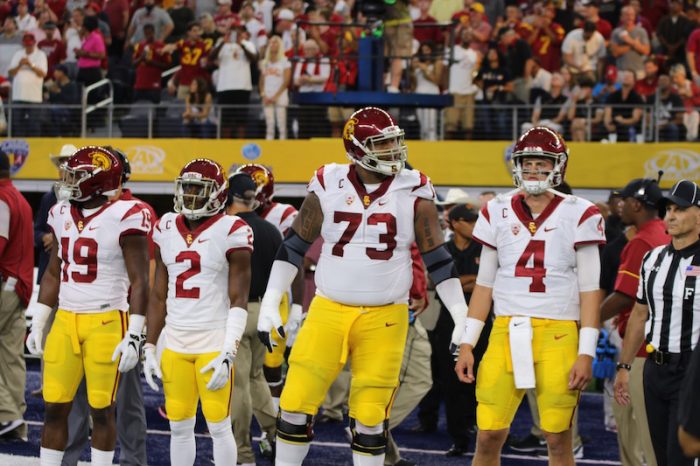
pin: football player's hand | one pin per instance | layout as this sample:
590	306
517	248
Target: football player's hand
151	367
456	341
296	318
581	373
418	305
34	340
269	320
128	350
221	365
622	387
40	315
465	364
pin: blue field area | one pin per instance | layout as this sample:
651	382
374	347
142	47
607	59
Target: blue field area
331	447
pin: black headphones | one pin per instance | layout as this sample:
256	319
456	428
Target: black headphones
641	194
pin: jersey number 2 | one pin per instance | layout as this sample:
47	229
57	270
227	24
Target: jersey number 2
354	219
537	272
195	267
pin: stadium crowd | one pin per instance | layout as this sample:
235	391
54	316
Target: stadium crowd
591	69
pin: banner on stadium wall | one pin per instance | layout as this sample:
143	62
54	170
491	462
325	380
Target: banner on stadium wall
448	163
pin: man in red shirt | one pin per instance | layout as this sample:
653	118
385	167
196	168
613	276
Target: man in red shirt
150	61
55	49
225	16
546	39
646	87
639	211
16	273
193	58
590	13
117	12
422	33
692	54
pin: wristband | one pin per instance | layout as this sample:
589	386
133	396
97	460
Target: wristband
472	331
235	326
149	346
622	365
40	314
136	322
588	341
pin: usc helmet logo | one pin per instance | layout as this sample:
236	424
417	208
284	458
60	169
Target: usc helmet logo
260	177
349	129
100	160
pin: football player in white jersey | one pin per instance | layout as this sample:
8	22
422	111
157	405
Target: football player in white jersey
100	255
200	294
369	212
540	267
282	216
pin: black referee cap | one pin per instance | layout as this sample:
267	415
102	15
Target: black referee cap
684	194
645	190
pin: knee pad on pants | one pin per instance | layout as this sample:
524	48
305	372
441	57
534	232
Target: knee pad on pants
290	429
369	440
220	429
182	429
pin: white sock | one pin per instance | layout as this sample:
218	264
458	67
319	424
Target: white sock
101	457
290	454
359	459
276	403
225	451
182	446
49	457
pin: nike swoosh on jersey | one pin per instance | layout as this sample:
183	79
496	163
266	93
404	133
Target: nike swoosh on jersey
382	202
548	229
390	324
92	228
559	337
202	240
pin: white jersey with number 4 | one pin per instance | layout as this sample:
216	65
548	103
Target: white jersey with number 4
537	256
93	273
367	234
280	215
198	269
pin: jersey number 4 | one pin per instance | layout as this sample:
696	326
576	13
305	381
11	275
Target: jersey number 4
354	220
537	272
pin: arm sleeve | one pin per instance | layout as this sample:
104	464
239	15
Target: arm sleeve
588	267
488	266
240	237
630	264
483	230
136	221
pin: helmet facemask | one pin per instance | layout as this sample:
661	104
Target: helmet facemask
197	197
554	177
380	155
68	189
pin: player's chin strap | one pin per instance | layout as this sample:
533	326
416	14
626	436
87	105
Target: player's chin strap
443	273
519	190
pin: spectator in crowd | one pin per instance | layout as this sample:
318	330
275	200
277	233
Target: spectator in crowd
288	31
513	19
426	76
472	17
591	12
601	91
54	48
546	38
149	13
518	60
25	21
263	11
550	109
673	32
10	42
646	87
63	92
150	60
254	27
583	52
275	77
196	117
234	55
495	80
28	69
91	53
422	31
630	43
193	52
5	10
73	41
669	111
17	271
225	17
210	35
581	111
398	40
40	32
311	75
690	93
623	112
642	19
117	13
93	9
462	88
539	80
692	55
181	15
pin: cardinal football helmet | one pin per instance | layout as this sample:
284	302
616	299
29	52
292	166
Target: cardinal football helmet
92	171
540	142
263	179
374	141
201	189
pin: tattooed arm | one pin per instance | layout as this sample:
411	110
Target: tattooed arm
307	223
428	233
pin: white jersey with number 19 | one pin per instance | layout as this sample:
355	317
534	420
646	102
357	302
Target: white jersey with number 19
537	256
366	257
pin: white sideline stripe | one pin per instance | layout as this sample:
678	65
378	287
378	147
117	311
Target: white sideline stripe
407	450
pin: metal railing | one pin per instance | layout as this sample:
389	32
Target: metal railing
105	102
165	120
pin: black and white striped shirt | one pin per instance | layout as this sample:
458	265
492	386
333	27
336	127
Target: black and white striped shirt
669	285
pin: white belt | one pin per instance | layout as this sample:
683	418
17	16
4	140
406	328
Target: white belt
10	284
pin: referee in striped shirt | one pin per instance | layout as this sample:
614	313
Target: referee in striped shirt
669	314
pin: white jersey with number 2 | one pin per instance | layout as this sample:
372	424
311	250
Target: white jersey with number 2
537	256
367	234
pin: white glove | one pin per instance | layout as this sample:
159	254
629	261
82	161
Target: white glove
40	315
270	319
296	318
130	346
221	365
151	367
